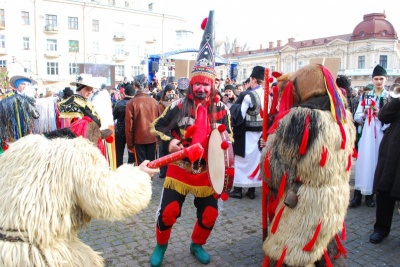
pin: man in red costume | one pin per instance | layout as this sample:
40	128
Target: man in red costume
185	122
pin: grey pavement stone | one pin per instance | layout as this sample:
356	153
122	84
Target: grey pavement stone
235	241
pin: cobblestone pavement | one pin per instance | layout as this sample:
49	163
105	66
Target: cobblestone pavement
235	241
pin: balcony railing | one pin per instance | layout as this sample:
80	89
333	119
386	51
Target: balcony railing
119	57
2	26
3	51
368	72
51	28
52	54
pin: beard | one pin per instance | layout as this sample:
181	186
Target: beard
200	95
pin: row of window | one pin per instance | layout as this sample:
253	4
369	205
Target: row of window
52	68
382	61
51	20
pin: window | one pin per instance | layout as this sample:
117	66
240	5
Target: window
299	64
73	68
111	2
51	45
2	41
72	23
361	62
25	17
272	68
27	67
244	73
51	20
288	67
119	49
96	47
52	68
383	61
183	35
73	46
3	63
119	70
2	19
95	25
26	43
135	70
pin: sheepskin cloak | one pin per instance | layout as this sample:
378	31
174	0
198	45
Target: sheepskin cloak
51	188
323	196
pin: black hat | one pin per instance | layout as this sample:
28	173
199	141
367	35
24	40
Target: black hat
229	87
379	71
169	87
129	90
246	81
258	73
172	79
67	92
204	66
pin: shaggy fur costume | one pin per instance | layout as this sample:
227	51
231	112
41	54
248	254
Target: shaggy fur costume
321	176
51	188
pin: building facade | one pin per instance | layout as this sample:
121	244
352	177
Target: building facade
373	41
48	39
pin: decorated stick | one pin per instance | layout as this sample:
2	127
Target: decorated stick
193	152
264	198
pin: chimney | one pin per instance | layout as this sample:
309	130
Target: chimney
291	40
279	43
237	50
271	45
260	46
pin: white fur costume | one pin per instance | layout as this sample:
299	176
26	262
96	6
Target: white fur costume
51	188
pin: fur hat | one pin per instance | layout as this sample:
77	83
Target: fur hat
169	87
379	71
204	66
258	73
229	87
16	80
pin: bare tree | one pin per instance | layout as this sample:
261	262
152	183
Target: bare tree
229	47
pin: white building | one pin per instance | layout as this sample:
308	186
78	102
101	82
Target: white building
47	39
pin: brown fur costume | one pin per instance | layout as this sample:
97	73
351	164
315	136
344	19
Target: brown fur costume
322	188
51	188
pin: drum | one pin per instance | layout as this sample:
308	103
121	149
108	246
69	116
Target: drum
220	161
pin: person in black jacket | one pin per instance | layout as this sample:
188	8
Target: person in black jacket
387	172
119	116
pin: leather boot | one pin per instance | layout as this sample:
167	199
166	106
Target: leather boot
158	255
356	201
251	193
236	193
201	255
369	201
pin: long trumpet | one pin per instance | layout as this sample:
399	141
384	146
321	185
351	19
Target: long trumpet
394	90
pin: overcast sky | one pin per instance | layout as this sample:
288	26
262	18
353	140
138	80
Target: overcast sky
258	22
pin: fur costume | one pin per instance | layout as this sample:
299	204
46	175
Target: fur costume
51	188
307	163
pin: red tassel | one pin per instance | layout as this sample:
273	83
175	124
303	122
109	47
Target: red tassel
266	165
224	196
324	156
310	244
221	128
110	139
344	236
348	163
265	261
327	259
282	186
216	196
306	133
217	98
282	258
355	153
277	219
224	145
341	249
343	133
254	173
204	23
230	171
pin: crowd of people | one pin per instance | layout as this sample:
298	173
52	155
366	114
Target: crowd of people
305	161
